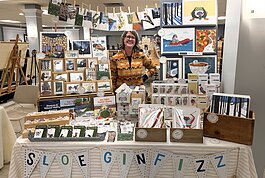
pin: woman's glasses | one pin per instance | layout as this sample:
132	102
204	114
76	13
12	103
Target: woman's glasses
130	37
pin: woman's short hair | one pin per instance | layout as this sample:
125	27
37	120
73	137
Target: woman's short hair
137	39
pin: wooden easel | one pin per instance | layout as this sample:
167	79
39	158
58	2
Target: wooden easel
12	65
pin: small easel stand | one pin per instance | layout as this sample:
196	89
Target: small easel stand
36	68
12	65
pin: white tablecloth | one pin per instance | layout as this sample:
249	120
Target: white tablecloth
240	160
7	138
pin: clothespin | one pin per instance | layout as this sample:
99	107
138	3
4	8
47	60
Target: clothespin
137	9
89	7
106	10
74	4
97	9
120	10
113	10
146	7
129	9
156	6
64	1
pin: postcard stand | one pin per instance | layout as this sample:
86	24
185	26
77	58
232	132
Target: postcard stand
229	128
186	135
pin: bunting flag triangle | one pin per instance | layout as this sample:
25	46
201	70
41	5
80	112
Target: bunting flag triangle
82	159
46	162
124	162
180	165
201	166
107	158
158	159
65	161
142	158
219	163
31	158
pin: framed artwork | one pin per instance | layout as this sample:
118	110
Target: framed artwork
206	40
76	76
45	88
45	75
83	47
99	47
203	12
81	63
176	40
45	64
171	13
53	44
90	87
70	64
199	65
104	85
92	62
58	87
58	65
62	76
71	54
90	74
172	68
103	71
72	87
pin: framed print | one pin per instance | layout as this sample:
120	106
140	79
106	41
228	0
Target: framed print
71	54
58	65
175	40
203	12
81	63
45	75
90	87
103	71
45	64
99	46
83	47
171	13
46	88
40	131
92	62
72	87
90	74
63	76
58	87
70	64
53	44
199	65
76	76
66	131
172	68
206	40
104	85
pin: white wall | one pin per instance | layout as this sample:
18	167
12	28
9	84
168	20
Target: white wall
10	33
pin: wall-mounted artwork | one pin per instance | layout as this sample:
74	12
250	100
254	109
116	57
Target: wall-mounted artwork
206	40
176	40
83	47
203	12
172	68
81	64
199	64
171	13
90	87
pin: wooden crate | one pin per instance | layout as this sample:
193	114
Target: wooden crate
150	134
229	128
51	122
186	135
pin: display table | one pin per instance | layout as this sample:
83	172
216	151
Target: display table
7	137
239	157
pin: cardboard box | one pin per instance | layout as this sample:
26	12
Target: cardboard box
186	135
229	128
150	134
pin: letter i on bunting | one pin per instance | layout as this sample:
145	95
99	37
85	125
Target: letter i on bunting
46	162
219	163
107	158
201	166
82	160
31	158
124	162
180	165
159	158
142	158
65	160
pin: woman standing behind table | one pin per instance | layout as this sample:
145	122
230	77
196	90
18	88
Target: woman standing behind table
128	64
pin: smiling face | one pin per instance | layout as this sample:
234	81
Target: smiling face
129	40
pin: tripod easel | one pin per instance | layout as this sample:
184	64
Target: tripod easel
12	65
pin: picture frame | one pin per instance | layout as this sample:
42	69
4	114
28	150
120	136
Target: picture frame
177	40
40	131
58	88
46	88
103	71
72	87
58	65
171	14
90	74
70	64
60	76
45	75
71	54
99	46
172	68
206	40
66	131
45	64
92	62
76	76
104	85
81	63
83	47
90	87
199	64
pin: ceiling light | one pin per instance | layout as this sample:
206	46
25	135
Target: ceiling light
221	18
10	21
